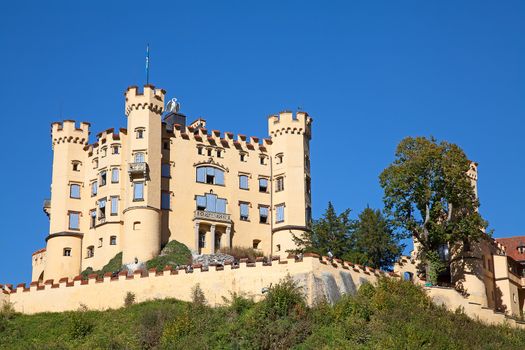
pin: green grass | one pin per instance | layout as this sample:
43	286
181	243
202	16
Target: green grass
391	315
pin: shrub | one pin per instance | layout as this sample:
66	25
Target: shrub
173	254
197	296
114	266
242	253
282	298
129	299
80	323
151	327
238	303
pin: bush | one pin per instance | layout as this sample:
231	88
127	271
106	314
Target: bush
114	266
173	254
238	303
197	296
242	253
80	323
283	298
129	299
151	327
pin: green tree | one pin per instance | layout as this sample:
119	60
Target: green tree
374	242
332	232
429	196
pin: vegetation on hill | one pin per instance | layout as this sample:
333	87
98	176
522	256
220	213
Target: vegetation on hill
113	266
242	252
173	254
392	315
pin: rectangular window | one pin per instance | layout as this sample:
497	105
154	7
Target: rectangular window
74	191
244	208
211	202
104	151
114	175
140	133
263	185
165	200
74	220
115	149
279	184
114	205
263	215
221	205
138	191
67	251
92	218
243	182
165	170
201	202
279	215
94	188
102	209
103	178
100	240
113	240
202	240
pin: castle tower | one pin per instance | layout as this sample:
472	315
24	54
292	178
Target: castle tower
66	224
142	231
291	202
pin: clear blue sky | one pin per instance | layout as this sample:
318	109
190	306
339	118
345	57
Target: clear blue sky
368	72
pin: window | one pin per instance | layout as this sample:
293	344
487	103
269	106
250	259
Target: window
103	178
92	218
90	251
114	205
521	248
279	184
307	185
308	215
116	149
67	251
210	175
139	133
100	240
165	200
136	226
199	150
243	157
139	157
74	191
255	243
114	175
166	145
219	153
74	220
279	215
279	158
95	163
104	151
262	160
76	165
263	185
102	209
210	202
94	188
209	150
165	170
244	207
138	191
278	248
202	240
243	182
263	215
113	240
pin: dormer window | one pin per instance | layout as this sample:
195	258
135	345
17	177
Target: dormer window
139	133
521	248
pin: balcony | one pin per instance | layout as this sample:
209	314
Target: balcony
211	216
138	170
47	207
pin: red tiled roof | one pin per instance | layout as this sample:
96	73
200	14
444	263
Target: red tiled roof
39	251
511	246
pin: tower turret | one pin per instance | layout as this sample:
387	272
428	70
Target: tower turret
142	231
66	224
290	153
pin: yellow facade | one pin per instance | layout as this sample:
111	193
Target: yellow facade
134	190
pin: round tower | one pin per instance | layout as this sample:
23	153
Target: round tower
142	230
291	182
66	220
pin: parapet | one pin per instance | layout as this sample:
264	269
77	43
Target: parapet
150	98
67	131
287	122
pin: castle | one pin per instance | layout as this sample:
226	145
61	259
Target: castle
159	180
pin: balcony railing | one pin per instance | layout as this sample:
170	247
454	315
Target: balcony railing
211	215
138	169
47	207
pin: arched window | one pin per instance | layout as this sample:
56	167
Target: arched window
210	175
139	157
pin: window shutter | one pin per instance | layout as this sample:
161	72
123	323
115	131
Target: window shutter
201	174
221	205
211	202
201	201
219	177
244	209
263	211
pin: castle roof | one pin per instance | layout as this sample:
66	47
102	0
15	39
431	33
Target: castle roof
511	244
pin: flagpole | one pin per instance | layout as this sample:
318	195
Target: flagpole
147	64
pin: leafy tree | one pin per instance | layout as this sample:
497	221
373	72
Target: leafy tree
374	242
429	196
331	232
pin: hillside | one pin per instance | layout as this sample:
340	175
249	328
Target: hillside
392	315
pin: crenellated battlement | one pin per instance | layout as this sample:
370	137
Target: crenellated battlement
68	132
287	122
150	98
